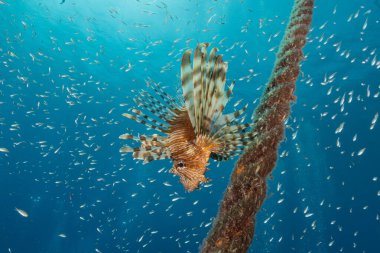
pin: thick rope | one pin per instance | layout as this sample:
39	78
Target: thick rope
233	228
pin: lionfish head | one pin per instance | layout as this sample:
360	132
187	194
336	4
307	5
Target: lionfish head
190	176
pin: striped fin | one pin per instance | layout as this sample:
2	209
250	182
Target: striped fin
187	85
225	155
198	80
203	101
165	96
146	117
205	95
203	87
215	91
231	117
240	136
156	154
227	130
157	104
238	139
218	157
234	144
154	140
146	121
217	115
239	143
210	68
209	88
219	97
127	149
230	152
152	108
147	154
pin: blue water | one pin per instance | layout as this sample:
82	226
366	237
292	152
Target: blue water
66	75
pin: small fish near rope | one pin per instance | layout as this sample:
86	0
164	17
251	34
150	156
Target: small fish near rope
192	129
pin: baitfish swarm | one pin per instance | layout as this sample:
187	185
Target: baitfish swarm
193	129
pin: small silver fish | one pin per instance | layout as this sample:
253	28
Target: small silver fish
4	150
22	212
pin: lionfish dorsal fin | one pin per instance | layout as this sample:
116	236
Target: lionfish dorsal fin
208	88
187	85
216	97
219	97
203	87
199	73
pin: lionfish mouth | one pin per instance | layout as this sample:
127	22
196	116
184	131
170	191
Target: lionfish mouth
192	129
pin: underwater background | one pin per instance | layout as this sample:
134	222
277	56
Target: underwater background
67	72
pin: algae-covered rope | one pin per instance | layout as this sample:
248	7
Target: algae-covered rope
233	228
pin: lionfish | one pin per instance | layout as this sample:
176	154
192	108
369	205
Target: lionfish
192	129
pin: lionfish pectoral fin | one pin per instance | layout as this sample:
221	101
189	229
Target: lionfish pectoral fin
126	149
230	117
143	119
154	154
148	158
217	157
171	102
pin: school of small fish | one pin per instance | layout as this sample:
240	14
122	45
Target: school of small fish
66	78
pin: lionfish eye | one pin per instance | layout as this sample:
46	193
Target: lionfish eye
180	164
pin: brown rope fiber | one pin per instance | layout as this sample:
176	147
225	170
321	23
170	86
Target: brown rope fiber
233	228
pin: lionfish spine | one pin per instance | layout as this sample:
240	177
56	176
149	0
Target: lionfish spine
164	96
146	121
151	108
227	119
157	104
154	137
187	85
